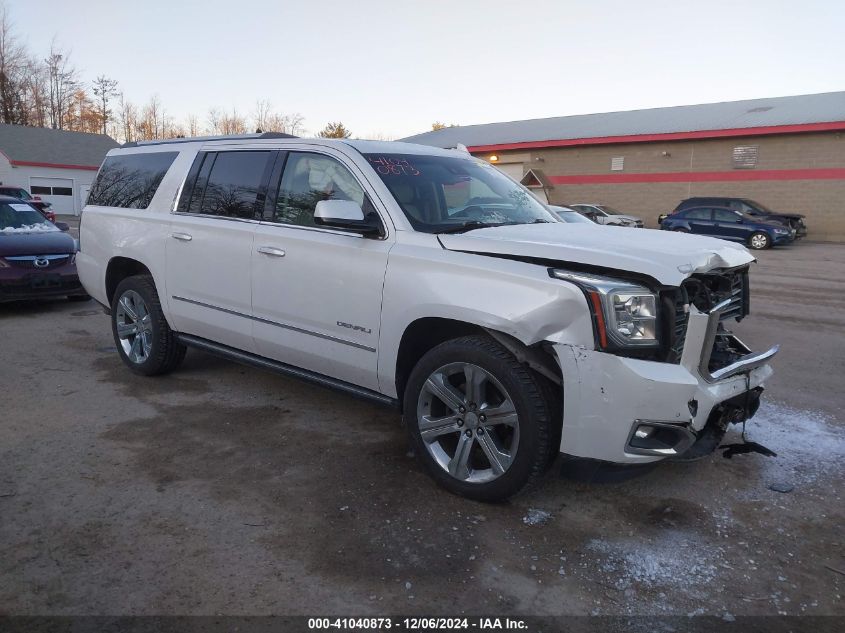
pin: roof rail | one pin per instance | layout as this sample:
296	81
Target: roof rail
227	137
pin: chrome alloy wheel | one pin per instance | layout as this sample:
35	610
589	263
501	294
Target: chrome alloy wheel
759	241
134	326
468	422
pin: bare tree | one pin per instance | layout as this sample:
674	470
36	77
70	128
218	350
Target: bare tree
34	94
11	55
261	116
104	89
264	119
214	117
151	122
128	119
193	126
62	84
223	123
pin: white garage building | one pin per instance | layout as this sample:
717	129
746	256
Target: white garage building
56	165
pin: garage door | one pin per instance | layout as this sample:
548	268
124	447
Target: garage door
514	170
56	191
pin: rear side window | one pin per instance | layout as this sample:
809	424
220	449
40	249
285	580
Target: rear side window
723	215
228	184
130	181
697	214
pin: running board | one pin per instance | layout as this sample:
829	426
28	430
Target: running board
261	362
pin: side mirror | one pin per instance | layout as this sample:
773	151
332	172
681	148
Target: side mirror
63	226
347	216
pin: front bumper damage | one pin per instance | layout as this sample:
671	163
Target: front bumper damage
632	411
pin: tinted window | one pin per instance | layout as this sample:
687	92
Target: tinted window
723	215
697	214
309	178
128	180
228	184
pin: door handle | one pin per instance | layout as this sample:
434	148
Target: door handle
184	237
271	251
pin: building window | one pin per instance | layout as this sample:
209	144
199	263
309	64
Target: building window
62	191
745	156
617	163
40	191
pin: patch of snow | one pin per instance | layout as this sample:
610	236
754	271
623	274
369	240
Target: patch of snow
536	517
807	443
673	560
30	228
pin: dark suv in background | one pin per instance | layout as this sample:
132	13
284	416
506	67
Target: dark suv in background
748	207
728	224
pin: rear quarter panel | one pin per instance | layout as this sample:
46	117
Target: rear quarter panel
138	234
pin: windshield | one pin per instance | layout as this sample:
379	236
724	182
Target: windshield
756	206
610	210
445	194
22	218
23	194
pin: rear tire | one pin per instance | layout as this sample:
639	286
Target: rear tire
481	423
759	241
143	338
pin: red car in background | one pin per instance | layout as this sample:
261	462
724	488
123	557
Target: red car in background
37	257
22	194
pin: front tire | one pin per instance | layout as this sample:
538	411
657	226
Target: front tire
759	241
481	423
143	338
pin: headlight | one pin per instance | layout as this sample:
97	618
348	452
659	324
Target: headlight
625	314
782	231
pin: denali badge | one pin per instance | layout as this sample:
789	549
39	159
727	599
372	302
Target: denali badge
359	328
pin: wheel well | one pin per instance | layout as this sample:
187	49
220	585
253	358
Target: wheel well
119	269
421	336
425	334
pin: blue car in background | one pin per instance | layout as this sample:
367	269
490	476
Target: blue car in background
728	224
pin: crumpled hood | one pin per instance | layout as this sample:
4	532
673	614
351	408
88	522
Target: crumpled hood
666	256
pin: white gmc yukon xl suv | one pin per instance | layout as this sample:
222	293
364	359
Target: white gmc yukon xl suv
427	280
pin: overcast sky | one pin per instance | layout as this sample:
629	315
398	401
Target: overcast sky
391	68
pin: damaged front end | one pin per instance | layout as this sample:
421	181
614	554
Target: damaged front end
678	401
710	349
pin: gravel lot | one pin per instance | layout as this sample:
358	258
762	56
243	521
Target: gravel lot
222	489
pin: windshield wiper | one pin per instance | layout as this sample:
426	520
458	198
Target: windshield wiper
478	224
471	225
